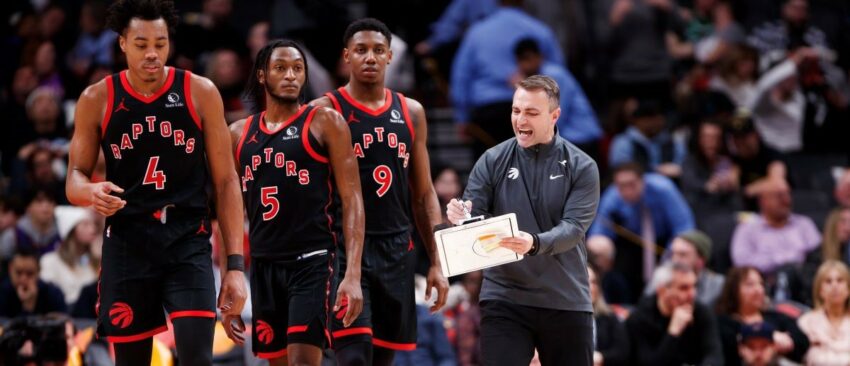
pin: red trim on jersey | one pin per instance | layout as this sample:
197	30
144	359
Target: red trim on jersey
393	346
110	100
136	337
192	314
268	355
284	124
334	102
328	205
296	329
305	139
352	331
407	119
187	93
388	102
242	139
97	303
147	100
328	295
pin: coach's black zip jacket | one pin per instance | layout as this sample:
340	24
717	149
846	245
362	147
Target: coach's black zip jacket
554	191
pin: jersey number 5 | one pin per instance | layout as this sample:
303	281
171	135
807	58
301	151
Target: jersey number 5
383	176
153	176
267	199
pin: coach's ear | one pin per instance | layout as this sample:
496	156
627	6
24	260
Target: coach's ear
555	115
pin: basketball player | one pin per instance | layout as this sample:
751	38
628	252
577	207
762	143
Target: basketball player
292	159
159	129
388	134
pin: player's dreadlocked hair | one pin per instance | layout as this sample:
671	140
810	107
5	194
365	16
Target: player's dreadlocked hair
122	11
366	24
255	92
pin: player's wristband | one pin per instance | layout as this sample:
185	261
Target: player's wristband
236	262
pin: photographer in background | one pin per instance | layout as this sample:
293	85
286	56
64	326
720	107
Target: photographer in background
24	293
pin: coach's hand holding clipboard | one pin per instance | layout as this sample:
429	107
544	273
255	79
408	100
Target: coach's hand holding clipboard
477	243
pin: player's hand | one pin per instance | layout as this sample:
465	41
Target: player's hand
438	281
349	289
454	210
519	244
234	327
231	298
103	202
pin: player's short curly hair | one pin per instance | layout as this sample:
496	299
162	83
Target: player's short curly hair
122	11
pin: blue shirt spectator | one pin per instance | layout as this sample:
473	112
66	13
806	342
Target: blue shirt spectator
647	143
458	16
669	211
432	344
577	123
484	64
23	293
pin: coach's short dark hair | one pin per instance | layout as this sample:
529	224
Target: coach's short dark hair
122	11
546	84
366	24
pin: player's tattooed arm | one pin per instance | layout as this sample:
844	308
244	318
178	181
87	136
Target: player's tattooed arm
426	207
331	131
83	154
228	198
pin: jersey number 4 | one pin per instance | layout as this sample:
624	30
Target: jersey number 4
153	176
267	198
384	177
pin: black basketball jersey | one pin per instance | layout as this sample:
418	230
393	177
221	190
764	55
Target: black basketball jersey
154	146
287	186
382	140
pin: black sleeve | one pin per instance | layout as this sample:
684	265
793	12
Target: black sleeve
710	347
84	307
728	330
786	324
618	350
645	351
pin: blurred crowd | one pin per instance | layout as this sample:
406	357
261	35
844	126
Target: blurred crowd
720	127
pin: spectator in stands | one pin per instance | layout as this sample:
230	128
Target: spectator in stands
458	16
446	184
45	68
737	74
756	346
743	303
710	180
14	113
35	169
481	88
24	293
828	325
647	143
793	28
640	213
601	253
670	328
835	246
693	249
776	236
842	189
95	45
641	59
36	229
779	104
224	69
201	33
577	123
69	267
45	115
10	211
612	341
469	322
258	37
759	163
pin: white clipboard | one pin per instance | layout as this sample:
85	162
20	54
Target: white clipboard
474	246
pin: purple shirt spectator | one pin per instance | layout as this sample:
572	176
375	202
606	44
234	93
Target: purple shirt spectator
756	243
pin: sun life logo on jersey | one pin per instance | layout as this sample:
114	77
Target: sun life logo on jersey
173	100
395	116
291	133
513	173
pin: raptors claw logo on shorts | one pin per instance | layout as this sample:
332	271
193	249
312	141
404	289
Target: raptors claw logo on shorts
265	333
121	315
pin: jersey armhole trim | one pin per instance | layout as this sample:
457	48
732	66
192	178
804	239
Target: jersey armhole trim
407	120
110	100
334	101
305	139
187	92
245	130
